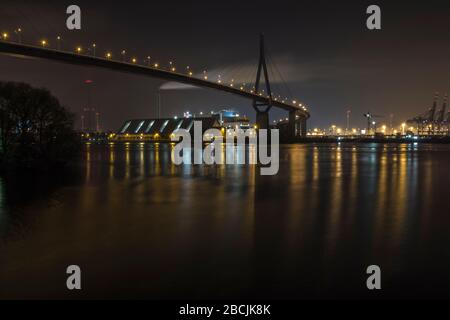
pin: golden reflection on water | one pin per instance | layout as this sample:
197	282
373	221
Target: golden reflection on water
112	158
335	200
157	160
353	189
381	196
428	191
401	199
88	162
339	186
127	161
131	209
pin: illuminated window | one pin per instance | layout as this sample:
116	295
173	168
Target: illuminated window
179	125
139	126
163	126
190	125
150	125
125	127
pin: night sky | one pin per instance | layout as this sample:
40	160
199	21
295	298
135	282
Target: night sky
327	56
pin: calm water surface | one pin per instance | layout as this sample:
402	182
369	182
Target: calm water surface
140	227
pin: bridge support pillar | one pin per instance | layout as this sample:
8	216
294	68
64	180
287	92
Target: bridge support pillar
303	127
296	125
262	119
262	108
292	125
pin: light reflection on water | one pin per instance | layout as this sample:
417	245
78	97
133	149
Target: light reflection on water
126	212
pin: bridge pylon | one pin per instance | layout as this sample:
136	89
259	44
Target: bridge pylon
262	109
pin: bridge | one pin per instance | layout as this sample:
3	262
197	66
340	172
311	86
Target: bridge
263	100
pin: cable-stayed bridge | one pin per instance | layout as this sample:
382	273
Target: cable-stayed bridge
260	92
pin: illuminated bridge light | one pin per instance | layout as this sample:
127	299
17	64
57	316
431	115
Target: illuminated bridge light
5	35
134	60
79	49
43	43
156	65
108	55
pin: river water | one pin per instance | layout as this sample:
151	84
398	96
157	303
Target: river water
141	227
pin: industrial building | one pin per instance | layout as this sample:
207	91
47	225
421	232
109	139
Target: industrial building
160	129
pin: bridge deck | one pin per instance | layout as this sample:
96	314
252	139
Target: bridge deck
17	49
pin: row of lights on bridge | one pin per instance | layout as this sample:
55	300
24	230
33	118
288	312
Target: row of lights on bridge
108	55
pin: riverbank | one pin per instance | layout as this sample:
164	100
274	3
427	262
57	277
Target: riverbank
400	140
415	139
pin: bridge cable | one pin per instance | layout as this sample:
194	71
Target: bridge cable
272	62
